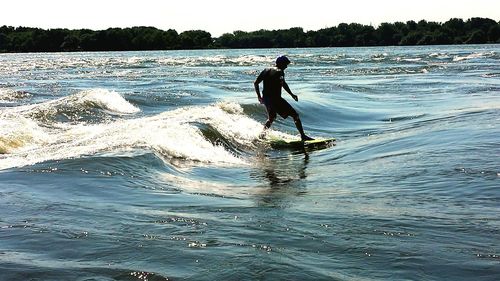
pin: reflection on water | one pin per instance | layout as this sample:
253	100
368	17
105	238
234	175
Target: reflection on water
284	177
284	171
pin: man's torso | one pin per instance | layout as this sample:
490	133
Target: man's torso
273	81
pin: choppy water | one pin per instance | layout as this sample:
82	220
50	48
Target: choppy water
148	166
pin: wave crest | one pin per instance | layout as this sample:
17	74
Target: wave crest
108	100
10	96
89	105
171	135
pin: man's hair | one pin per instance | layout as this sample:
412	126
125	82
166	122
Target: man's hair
282	60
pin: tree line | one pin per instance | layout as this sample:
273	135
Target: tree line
453	31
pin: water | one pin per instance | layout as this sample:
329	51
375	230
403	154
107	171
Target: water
149	166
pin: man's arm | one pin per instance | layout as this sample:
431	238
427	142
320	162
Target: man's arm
256	85
287	89
257	89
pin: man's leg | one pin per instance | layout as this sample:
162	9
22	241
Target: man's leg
270	119
298	124
288	110
268	123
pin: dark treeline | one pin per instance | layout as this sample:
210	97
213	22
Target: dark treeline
454	31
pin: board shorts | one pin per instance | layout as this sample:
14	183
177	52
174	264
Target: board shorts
279	106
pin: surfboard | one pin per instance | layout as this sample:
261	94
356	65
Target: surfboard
294	143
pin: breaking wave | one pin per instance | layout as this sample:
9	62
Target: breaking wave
218	133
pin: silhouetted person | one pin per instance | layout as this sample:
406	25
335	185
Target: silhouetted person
274	80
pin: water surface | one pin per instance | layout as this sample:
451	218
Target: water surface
149	166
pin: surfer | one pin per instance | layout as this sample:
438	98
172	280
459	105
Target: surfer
274	80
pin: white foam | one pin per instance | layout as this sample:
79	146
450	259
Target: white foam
440	56
468	57
171	134
20	133
108	100
10	96
6	94
214	59
102	98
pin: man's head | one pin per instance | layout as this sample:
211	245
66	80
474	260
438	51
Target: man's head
282	62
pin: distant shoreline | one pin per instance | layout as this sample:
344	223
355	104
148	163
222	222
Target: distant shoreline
452	32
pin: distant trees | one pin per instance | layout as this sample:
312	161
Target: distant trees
454	31
23	39
195	39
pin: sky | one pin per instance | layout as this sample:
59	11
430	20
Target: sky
226	16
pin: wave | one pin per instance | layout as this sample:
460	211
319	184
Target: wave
88	105
341	61
42	266
12	96
215	60
473	56
403	118
19	132
108	100
220	134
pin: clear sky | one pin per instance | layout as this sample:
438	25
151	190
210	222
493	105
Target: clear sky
221	16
